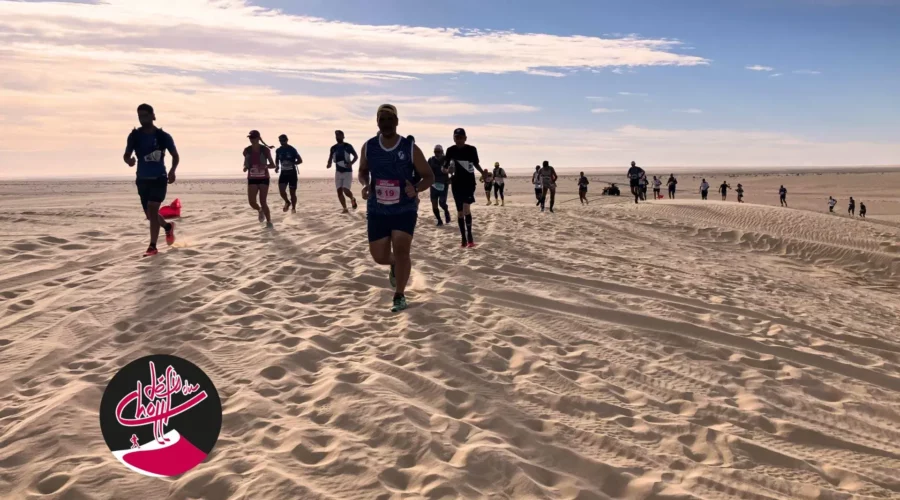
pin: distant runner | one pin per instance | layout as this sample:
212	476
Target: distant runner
499	182
672	182
862	210
257	162
548	183
782	195
642	182
488	186
740	193
287	158
723	189
583	188
831	203
344	156
386	168
657	185
852	208
536	180
150	144
440	187
634	180
462	161
704	189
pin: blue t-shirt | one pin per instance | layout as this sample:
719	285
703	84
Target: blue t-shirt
150	150
286	157
341	154
389	170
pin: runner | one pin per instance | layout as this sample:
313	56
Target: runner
862	210
657	185
582	188
149	144
388	162
439	188
257	162
499	181
548	183
462	161
852	208
634	179
488	186
782	194
536	180
723	189
704	189
831	203
672	182
740	193
287	158
344	156
642	182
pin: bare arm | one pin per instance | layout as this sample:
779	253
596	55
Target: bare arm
354	155
330	156
129	151
422	168
363	170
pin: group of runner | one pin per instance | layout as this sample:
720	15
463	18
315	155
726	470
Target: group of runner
638	182
851	208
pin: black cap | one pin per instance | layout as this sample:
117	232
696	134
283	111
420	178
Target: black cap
460	132
546	163
253	133
282	137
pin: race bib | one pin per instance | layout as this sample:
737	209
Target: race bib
257	171
153	157
438	186
387	192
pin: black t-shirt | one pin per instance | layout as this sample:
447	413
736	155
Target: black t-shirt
635	173
464	159
436	166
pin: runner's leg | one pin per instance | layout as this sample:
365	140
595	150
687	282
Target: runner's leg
282	189
340	193
442	199
401	243
263	200
252	189
153	216
552	198
349	194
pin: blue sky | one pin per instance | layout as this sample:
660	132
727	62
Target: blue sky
663	82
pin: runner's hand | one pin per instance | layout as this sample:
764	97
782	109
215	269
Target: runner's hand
365	193
131	161
172	177
411	190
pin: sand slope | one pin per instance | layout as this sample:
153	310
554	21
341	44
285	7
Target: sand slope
667	350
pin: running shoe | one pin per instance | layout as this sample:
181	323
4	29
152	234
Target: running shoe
471	244
170	234
440	223
287	206
151	250
463	245
393	277
399	304
269	225
353	203
262	216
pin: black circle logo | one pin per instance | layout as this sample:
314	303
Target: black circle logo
160	415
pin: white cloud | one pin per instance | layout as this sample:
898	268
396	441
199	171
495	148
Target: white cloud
807	72
597	98
692	111
776	75
757	67
607	110
619	71
635	94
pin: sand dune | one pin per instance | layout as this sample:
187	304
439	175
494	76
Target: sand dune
672	350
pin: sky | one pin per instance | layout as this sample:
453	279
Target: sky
581	83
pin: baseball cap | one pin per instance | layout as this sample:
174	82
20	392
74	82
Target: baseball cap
438	147
389	108
460	132
282	137
253	133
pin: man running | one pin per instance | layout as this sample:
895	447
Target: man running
499	182
634	179
672	182
862	210
386	169
439	188
583	188
287	158
782	195
344	156
657	187
852	208
548	183
462	161
740	193
257	162
704	189
831	203
536	180
723	189
488	186
150	144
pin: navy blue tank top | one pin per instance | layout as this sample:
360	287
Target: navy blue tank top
388	172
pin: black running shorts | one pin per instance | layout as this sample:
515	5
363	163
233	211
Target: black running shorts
288	177
152	190
381	226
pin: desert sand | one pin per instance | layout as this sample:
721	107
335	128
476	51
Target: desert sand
674	349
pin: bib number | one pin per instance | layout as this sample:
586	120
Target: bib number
387	192
257	171
438	186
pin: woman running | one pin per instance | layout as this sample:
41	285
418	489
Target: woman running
582	188
488	185
257	162
499	181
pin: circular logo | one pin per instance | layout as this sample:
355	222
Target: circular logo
160	415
